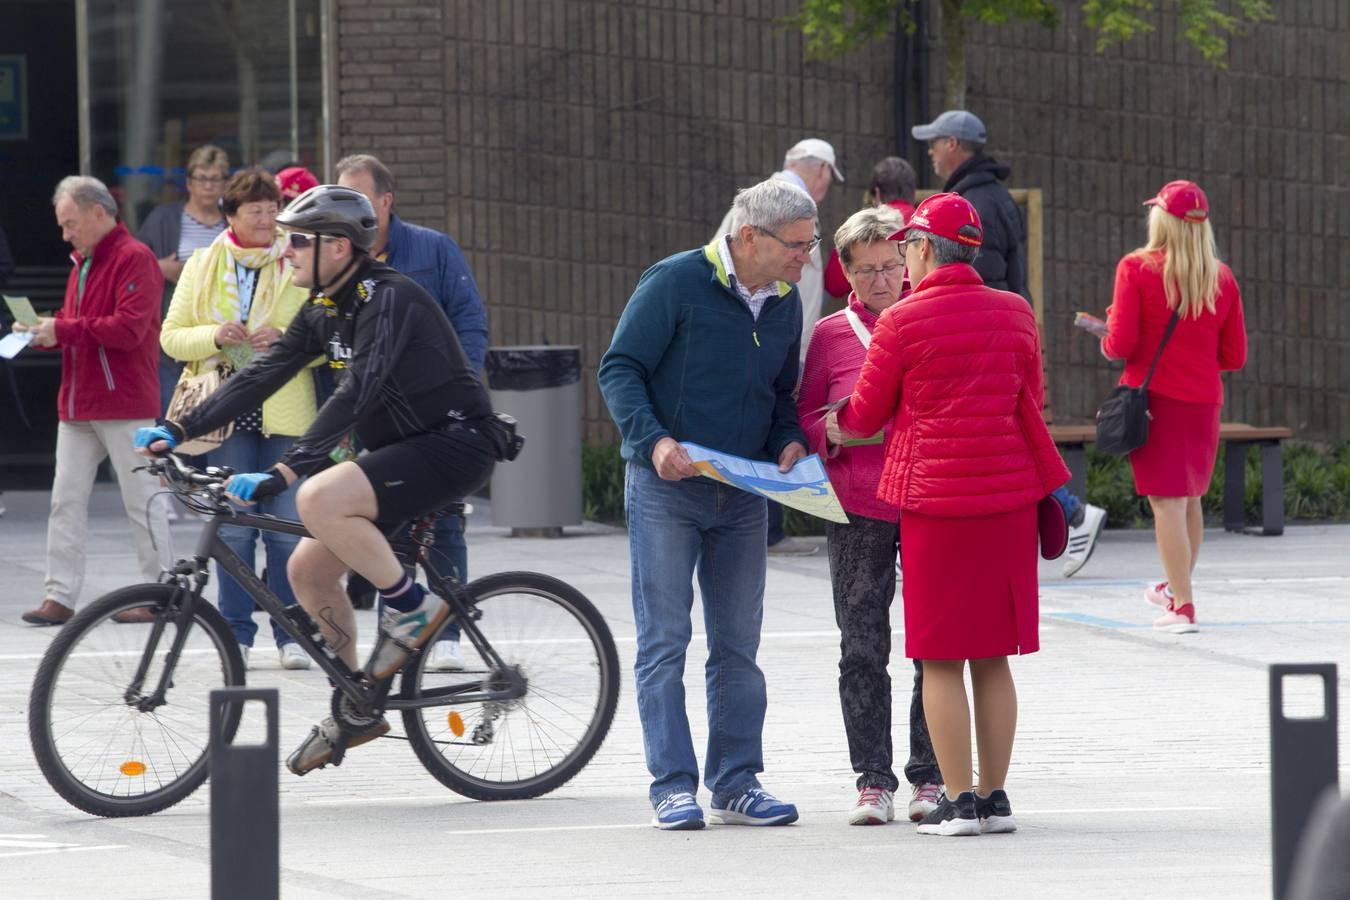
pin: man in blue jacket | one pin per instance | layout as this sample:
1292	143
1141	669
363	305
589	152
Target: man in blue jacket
707	351
436	263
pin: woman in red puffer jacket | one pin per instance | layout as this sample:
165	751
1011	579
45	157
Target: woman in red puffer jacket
955	371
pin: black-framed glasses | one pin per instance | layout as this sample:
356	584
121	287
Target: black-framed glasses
794	246
301	241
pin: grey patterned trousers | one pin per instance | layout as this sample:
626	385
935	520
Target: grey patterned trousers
862	574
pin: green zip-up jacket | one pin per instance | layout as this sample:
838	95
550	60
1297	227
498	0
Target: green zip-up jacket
688	361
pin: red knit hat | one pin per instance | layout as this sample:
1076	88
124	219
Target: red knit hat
1183	199
295	181
946	215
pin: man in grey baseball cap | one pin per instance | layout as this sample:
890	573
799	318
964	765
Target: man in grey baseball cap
956	146
954	123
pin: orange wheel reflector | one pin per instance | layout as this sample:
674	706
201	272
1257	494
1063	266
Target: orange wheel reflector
132	768
456	724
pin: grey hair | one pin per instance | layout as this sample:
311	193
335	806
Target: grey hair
363	162
945	250
866	226
85	191
770	205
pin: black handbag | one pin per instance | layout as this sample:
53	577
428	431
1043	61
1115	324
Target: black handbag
1122	420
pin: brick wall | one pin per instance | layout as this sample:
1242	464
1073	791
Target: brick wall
568	145
1267	139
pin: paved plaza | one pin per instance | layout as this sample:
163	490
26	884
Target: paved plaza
1141	765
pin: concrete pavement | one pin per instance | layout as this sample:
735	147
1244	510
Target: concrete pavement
1141	767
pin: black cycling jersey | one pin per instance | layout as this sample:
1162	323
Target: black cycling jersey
401	369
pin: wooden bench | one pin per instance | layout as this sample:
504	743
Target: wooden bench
1237	438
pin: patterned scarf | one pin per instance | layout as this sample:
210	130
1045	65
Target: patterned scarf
217	297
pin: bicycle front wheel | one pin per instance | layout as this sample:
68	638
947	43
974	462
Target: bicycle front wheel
552	640
101	737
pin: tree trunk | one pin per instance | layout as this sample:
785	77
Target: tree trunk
953	55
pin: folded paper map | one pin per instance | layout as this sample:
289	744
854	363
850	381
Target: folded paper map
804	487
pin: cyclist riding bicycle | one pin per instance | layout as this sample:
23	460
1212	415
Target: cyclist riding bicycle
405	391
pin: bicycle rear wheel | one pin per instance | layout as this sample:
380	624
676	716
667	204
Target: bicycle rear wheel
94	746
550	635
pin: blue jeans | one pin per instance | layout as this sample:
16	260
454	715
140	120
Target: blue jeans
249	451
674	529
1070	503
170	370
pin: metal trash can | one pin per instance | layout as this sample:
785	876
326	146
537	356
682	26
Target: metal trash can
539	492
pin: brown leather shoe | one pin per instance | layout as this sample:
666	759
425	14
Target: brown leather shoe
139	615
49	613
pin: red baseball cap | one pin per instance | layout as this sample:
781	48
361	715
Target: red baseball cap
946	215
1183	199
295	181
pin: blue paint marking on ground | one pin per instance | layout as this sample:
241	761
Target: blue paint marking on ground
1103	622
1099	621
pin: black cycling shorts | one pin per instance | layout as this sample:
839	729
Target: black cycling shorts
419	475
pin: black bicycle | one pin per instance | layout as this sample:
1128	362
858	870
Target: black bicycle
119	717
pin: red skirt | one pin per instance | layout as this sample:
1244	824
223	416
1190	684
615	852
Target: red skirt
970	585
1178	458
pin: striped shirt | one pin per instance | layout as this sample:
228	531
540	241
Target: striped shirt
194	235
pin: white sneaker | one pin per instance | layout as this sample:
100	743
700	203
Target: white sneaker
292	657
1083	539
875	806
924	799
243	651
445	657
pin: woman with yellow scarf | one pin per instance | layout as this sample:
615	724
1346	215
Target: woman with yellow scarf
234	298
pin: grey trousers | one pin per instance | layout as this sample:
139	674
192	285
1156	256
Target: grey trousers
80	448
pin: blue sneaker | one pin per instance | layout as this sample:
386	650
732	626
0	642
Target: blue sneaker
755	806
678	812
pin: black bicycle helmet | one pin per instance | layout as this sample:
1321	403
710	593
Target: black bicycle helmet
332	209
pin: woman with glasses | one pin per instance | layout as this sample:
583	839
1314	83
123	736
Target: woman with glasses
862	552
233	300
174	231
955	371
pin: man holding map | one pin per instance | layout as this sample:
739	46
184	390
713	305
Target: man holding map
707	351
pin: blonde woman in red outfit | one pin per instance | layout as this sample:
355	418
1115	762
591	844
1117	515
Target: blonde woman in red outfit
862	550
954	371
1177	270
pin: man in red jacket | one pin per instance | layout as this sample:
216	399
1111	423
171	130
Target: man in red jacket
108	334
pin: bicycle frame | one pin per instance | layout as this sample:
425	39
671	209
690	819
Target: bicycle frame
502	683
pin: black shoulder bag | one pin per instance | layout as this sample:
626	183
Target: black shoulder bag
1122	421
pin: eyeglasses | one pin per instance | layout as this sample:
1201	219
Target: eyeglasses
301	241
794	246
867	273
913	241
207	179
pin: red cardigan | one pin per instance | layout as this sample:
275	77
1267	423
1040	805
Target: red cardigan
109	335
1199	348
956	369
833	361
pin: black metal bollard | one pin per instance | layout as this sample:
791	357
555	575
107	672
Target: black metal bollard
245	822
1303	761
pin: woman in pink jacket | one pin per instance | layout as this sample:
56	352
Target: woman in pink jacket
862	551
1177	272
956	372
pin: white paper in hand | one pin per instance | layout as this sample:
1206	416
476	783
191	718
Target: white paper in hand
15	341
